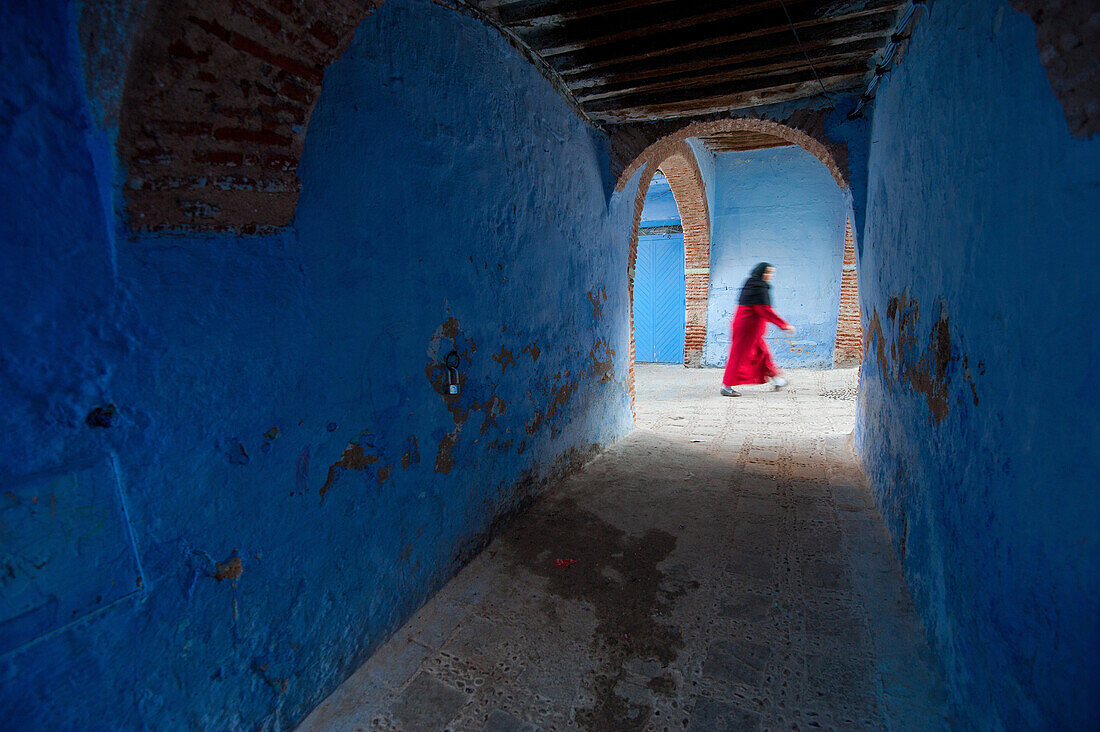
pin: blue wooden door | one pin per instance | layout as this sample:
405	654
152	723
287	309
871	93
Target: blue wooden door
659	299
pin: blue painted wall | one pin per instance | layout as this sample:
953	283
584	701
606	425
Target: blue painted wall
977	417
284	480
782	206
706	161
660	205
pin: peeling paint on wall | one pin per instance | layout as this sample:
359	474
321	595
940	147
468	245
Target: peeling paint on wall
208	343
924	363
978	397
231	569
355	457
449	336
603	367
597	299
444	460
504	358
411	455
559	397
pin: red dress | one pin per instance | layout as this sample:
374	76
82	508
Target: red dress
750	362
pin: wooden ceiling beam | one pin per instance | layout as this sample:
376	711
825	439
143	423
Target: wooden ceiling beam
635	60
741	142
631	25
735	95
734	86
716	47
714	58
540	13
670	24
793	60
719	105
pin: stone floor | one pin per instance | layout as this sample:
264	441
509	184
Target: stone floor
730	573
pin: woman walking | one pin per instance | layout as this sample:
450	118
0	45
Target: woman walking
750	362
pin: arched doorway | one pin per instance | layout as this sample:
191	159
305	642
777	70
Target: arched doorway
659	278
681	171
676	159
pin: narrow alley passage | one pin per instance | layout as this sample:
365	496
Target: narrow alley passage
730	573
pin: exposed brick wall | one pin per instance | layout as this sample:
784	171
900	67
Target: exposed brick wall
632	259
686	182
849	333
217	101
1067	35
635	144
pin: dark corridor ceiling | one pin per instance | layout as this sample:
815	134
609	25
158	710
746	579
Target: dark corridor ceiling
641	60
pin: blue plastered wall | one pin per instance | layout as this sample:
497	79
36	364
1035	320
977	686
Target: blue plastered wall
977	412
782	206
284	478
705	160
660	205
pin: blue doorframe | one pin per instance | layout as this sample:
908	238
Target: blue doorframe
660	294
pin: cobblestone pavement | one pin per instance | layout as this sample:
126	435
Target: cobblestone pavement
731	573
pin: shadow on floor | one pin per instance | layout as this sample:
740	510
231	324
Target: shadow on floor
723	567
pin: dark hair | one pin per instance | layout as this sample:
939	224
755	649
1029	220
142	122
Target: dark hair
759	270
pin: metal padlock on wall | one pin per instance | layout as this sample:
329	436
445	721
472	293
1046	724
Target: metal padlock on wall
451	361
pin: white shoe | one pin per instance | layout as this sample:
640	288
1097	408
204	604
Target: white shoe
778	382
728	391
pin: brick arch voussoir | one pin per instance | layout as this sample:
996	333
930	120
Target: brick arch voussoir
632	259
828	153
214	113
848	348
686	181
682	172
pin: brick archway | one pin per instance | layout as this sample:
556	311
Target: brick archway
682	172
672	156
216	104
828	153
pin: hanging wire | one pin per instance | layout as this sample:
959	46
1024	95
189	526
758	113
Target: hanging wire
806	55
884	67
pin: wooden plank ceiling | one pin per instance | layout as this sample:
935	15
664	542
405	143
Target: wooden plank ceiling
641	60
739	141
